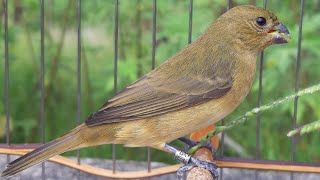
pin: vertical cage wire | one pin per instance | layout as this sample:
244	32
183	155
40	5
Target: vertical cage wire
190	21
42	108
296	84
258	128
154	30
297	78
78	116
222	120
115	82
78	99
190	30
6	74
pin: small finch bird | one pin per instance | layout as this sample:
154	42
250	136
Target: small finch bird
196	87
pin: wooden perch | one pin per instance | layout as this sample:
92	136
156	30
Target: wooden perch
197	173
204	154
99	171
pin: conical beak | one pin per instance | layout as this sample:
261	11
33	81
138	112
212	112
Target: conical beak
280	34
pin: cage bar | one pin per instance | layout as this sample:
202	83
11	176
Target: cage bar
258	128
154	30
42	105
115	82
78	100
6	74
190	21
297	78
222	121
296	85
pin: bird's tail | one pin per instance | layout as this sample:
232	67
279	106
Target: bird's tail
69	141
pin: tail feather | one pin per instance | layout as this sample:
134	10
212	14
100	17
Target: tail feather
55	147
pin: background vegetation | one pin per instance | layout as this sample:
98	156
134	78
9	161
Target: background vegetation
135	60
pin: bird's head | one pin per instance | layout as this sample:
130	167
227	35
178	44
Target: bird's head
252	27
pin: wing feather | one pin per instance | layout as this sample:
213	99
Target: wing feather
156	94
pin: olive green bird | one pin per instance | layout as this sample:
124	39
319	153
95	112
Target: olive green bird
196	87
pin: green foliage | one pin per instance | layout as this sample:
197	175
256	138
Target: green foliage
135	30
314	126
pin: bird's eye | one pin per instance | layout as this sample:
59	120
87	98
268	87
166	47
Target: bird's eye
261	21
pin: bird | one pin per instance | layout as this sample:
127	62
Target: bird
197	87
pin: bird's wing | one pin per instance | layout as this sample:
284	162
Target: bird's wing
151	96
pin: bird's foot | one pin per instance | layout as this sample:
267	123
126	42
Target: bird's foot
193	162
190	162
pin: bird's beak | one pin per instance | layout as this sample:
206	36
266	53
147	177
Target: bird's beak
280	34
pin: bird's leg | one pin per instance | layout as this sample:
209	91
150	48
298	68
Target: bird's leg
191	162
189	142
195	145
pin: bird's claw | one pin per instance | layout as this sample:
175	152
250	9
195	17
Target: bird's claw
181	172
210	146
210	166
191	162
